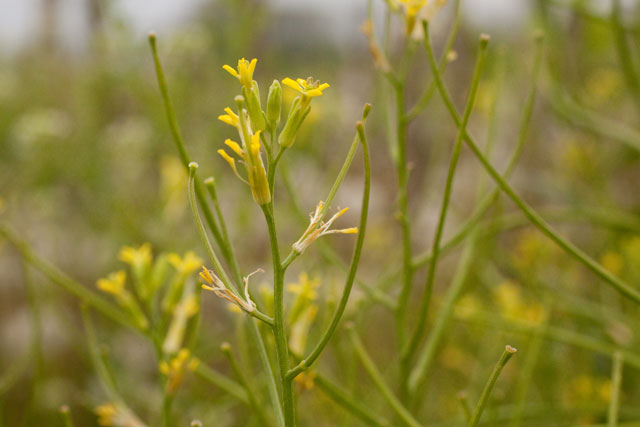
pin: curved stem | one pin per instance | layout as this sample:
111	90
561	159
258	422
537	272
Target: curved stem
185	159
486	392
282	350
379	382
529	212
408	351
254	402
355	262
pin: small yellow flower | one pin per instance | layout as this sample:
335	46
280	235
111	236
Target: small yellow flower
256	173
175	369
187	265
113	284
305	288
300	329
318	228
136	257
106	413
244	73
308	87
117	415
214	284
411	10
306	380
230	118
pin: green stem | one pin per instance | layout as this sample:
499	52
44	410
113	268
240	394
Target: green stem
185	159
529	212
526	376
65	413
57	276
210	183
557	334
408	351
379	382
486	392
272	380
402	173
444	61
624	53
426	357
222	382
342	398
282	350
616	382
336	185
253	399
355	262
568	109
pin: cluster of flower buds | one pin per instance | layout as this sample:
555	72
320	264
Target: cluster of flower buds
252	122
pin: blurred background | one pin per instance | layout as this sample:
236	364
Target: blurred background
87	165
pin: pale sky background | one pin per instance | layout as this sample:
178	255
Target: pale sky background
19	18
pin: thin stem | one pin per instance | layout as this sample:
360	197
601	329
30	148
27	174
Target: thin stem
464	404
253	399
342	398
435	250
553	333
337	183
57	276
379	382
444	61
402	173
103	371
210	183
282	350
355	262
486	392
568	109
272	383
217	265
426	357
219	269
185	159
624	53
329	253
222	382
616	382
526	376
65	414
529	212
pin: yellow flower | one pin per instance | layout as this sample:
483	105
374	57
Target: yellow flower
230	118
300	329
256	173
308	87
117	415
305	288
305	380
106	414
114	283
187	265
318	228
214	284
175	369
411	10
136	257
244	72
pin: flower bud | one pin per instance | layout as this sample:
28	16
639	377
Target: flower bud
252	97
274	105
299	111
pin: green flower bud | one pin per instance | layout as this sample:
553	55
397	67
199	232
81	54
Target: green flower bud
274	105
252	97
